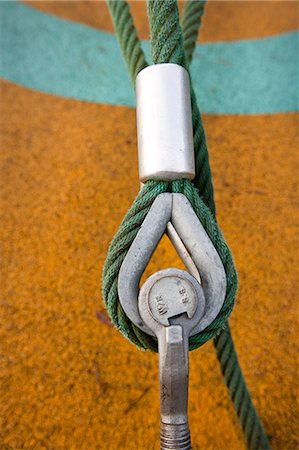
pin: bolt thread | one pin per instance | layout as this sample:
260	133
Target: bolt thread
175	436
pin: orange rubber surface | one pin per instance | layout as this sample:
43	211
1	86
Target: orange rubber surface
69	380
223	20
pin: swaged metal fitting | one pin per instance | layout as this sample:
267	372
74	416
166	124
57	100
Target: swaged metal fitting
164	123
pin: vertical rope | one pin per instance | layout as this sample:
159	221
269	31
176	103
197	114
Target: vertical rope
165	33
127	37
191	22
234	379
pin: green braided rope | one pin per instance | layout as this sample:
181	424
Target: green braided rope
191	22
166	36
251	424
123	240
127	36
253	430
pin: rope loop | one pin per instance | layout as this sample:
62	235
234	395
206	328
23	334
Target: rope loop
123	240
167	46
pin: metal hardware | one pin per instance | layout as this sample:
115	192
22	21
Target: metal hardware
176	209
171	304
138	257
164	123
182	251
169	293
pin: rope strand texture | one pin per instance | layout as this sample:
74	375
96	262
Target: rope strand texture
127	36
251	424
191	23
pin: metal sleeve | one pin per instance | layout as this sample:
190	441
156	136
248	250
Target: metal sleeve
164	123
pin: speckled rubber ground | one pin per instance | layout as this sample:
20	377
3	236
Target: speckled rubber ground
69	380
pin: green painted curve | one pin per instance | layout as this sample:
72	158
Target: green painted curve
60	57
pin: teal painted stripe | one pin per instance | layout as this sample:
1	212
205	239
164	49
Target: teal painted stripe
56	56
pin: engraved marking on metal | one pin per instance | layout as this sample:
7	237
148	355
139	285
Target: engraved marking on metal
171	296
